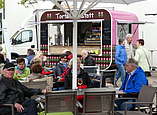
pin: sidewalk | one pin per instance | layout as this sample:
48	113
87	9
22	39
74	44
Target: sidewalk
153	79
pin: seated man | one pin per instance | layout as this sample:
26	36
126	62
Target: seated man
13	92
88	60
134	80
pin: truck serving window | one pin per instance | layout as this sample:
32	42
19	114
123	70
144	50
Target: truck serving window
22	37
89	34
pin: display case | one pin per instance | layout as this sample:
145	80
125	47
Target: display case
94	34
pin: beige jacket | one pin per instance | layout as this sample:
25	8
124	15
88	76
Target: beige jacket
142	56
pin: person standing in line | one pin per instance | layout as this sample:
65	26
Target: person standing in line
30	56
142	57
129	47
120	60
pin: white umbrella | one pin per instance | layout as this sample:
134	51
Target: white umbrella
75	14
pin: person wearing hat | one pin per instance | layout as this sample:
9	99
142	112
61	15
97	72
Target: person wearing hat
13	92
120	60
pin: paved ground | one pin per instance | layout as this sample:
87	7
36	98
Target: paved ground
153	79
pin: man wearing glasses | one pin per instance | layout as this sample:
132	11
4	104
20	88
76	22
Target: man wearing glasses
134	80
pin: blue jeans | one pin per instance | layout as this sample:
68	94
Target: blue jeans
120	72
121	105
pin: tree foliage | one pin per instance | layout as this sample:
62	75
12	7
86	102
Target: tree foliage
23	2
1	3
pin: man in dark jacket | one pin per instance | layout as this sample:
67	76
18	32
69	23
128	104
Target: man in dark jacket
88	60
83	79
13	92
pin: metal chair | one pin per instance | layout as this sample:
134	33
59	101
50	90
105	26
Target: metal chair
145	98
92	69
107	74
9	105
94	74
98	101
61	101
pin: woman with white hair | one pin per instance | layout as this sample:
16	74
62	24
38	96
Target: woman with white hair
128	46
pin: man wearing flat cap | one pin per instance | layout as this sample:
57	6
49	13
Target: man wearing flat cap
13	92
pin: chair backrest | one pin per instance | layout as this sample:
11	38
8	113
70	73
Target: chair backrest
146	94
9	105
36	84
92	69
61	101
108	76
99	101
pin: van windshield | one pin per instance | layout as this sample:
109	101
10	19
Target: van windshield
13	37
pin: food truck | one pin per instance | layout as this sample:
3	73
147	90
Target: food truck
98	32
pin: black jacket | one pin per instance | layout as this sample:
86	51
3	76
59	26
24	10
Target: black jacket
89	61
12	91
82	76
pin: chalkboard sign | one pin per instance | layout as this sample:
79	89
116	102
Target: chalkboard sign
106	32
44	34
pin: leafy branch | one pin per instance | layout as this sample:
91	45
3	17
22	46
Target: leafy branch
1	4
23	2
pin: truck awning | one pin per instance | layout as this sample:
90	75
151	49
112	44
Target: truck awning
137	22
